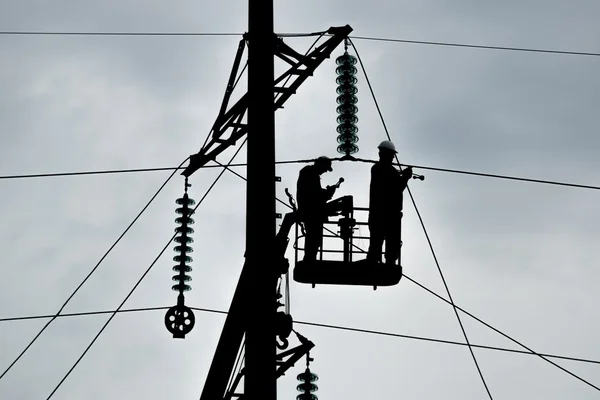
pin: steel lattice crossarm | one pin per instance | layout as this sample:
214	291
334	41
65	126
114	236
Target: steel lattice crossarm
231	120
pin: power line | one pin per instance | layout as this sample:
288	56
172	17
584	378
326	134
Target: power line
139	281
462	328
320	325
454	171
97	172
475	46
368	38
88	33
79	314
131	170
514	178
90	273
427	339
488	175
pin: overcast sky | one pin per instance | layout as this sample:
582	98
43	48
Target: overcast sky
520	256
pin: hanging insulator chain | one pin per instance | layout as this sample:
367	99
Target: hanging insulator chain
183	240
307	387
180	319
347	109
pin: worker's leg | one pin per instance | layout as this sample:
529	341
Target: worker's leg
376	236
313	239
392	242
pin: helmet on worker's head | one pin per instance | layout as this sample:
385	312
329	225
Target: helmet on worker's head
387	145
324	161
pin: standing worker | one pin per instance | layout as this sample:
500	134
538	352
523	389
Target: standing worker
312	204
385	205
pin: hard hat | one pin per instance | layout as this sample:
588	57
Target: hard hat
324	160
386	144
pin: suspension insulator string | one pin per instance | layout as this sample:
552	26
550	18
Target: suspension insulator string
183	239
307	387
179	319
346	100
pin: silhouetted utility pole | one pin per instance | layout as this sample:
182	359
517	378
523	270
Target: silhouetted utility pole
260	380
253	308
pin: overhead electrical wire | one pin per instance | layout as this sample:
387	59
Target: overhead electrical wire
123	33
91	272
514	178
453	171
79	314
495	176
320	325
140	280
476	46
97	172
398	335
130	170
90	33
425	230
367	38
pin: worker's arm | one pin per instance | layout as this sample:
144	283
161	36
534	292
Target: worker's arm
314	194
405	177
328	193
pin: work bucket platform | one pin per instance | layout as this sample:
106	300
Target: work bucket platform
345	271
363	273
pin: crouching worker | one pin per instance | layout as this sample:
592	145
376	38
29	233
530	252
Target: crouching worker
312	204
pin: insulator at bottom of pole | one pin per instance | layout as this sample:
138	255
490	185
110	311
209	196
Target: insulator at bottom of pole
307	387
179	320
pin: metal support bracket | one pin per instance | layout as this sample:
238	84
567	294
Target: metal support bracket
301	67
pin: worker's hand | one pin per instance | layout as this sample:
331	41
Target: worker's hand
408	172
330	190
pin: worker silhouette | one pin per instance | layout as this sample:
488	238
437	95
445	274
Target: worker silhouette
385	205
312	204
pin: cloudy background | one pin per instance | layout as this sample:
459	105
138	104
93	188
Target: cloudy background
520	256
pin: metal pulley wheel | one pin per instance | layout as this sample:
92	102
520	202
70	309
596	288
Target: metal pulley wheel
179	320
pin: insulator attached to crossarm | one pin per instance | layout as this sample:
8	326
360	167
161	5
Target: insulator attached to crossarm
179	319
347	109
